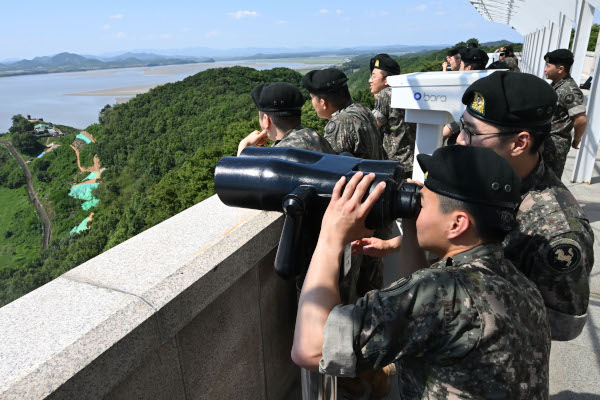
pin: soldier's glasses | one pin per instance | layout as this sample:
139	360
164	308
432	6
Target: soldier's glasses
470	134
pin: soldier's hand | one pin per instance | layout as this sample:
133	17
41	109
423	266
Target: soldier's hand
376	247
344	219
256	138
576	143
445	66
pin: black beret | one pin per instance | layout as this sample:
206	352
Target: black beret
471	174
323	81
386	63
509	48
498	65
453	51
277	97
511	99
461	51
560	57
474	55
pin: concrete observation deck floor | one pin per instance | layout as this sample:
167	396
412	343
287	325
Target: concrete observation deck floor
575	365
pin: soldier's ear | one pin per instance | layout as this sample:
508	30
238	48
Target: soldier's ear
460	223
267	121
323	103
521	144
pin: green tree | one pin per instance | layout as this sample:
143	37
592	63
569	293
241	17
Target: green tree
15	179
473	42
104	114
20	124
27	143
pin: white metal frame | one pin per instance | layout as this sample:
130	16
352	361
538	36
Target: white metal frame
546	26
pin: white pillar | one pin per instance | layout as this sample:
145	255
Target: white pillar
565	34
539	63
524	52
586	156
536	52
534	49
552	37
530	49
582	37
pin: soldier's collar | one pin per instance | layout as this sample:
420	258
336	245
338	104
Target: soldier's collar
534	177
561	82
293	129
477	252
348	104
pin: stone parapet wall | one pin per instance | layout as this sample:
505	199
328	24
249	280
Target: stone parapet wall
189	309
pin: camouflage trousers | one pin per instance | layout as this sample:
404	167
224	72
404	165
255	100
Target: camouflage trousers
555	153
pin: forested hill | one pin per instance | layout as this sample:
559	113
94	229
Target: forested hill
159	150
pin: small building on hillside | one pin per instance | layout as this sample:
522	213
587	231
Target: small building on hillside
40	128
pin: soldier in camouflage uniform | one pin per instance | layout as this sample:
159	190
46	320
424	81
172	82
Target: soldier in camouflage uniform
280	106
351	128
511	60
469	326
510	113
553	245
398	137
569	114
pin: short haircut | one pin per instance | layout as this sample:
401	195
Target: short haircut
492	224
385	73
337	98
475	66
538	135
283	120
566	66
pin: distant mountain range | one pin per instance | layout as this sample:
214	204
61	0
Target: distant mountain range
69	62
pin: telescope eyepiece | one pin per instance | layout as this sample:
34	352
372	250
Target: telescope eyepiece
408	201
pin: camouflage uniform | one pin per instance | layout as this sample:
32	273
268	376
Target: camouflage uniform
306	139
557	145
470	326
398	136
353	129
553	246
512	63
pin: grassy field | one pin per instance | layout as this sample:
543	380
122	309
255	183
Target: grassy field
20	229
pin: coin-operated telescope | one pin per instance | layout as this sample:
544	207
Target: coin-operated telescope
299	183
431	99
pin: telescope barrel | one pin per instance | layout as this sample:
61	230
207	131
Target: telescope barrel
299	183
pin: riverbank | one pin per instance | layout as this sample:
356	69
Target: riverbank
76	97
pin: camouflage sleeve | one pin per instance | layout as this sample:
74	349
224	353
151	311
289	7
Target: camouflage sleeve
561	270
417	316
381	111
342	135
572	100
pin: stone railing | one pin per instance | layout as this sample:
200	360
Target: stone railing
189	309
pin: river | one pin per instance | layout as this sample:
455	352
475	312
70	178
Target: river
75	98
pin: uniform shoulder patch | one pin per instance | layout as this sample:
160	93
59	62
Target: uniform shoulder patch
564	255
330	127
569	98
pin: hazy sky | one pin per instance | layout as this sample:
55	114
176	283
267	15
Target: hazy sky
35	27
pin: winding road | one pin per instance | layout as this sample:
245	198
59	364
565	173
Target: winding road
47	226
